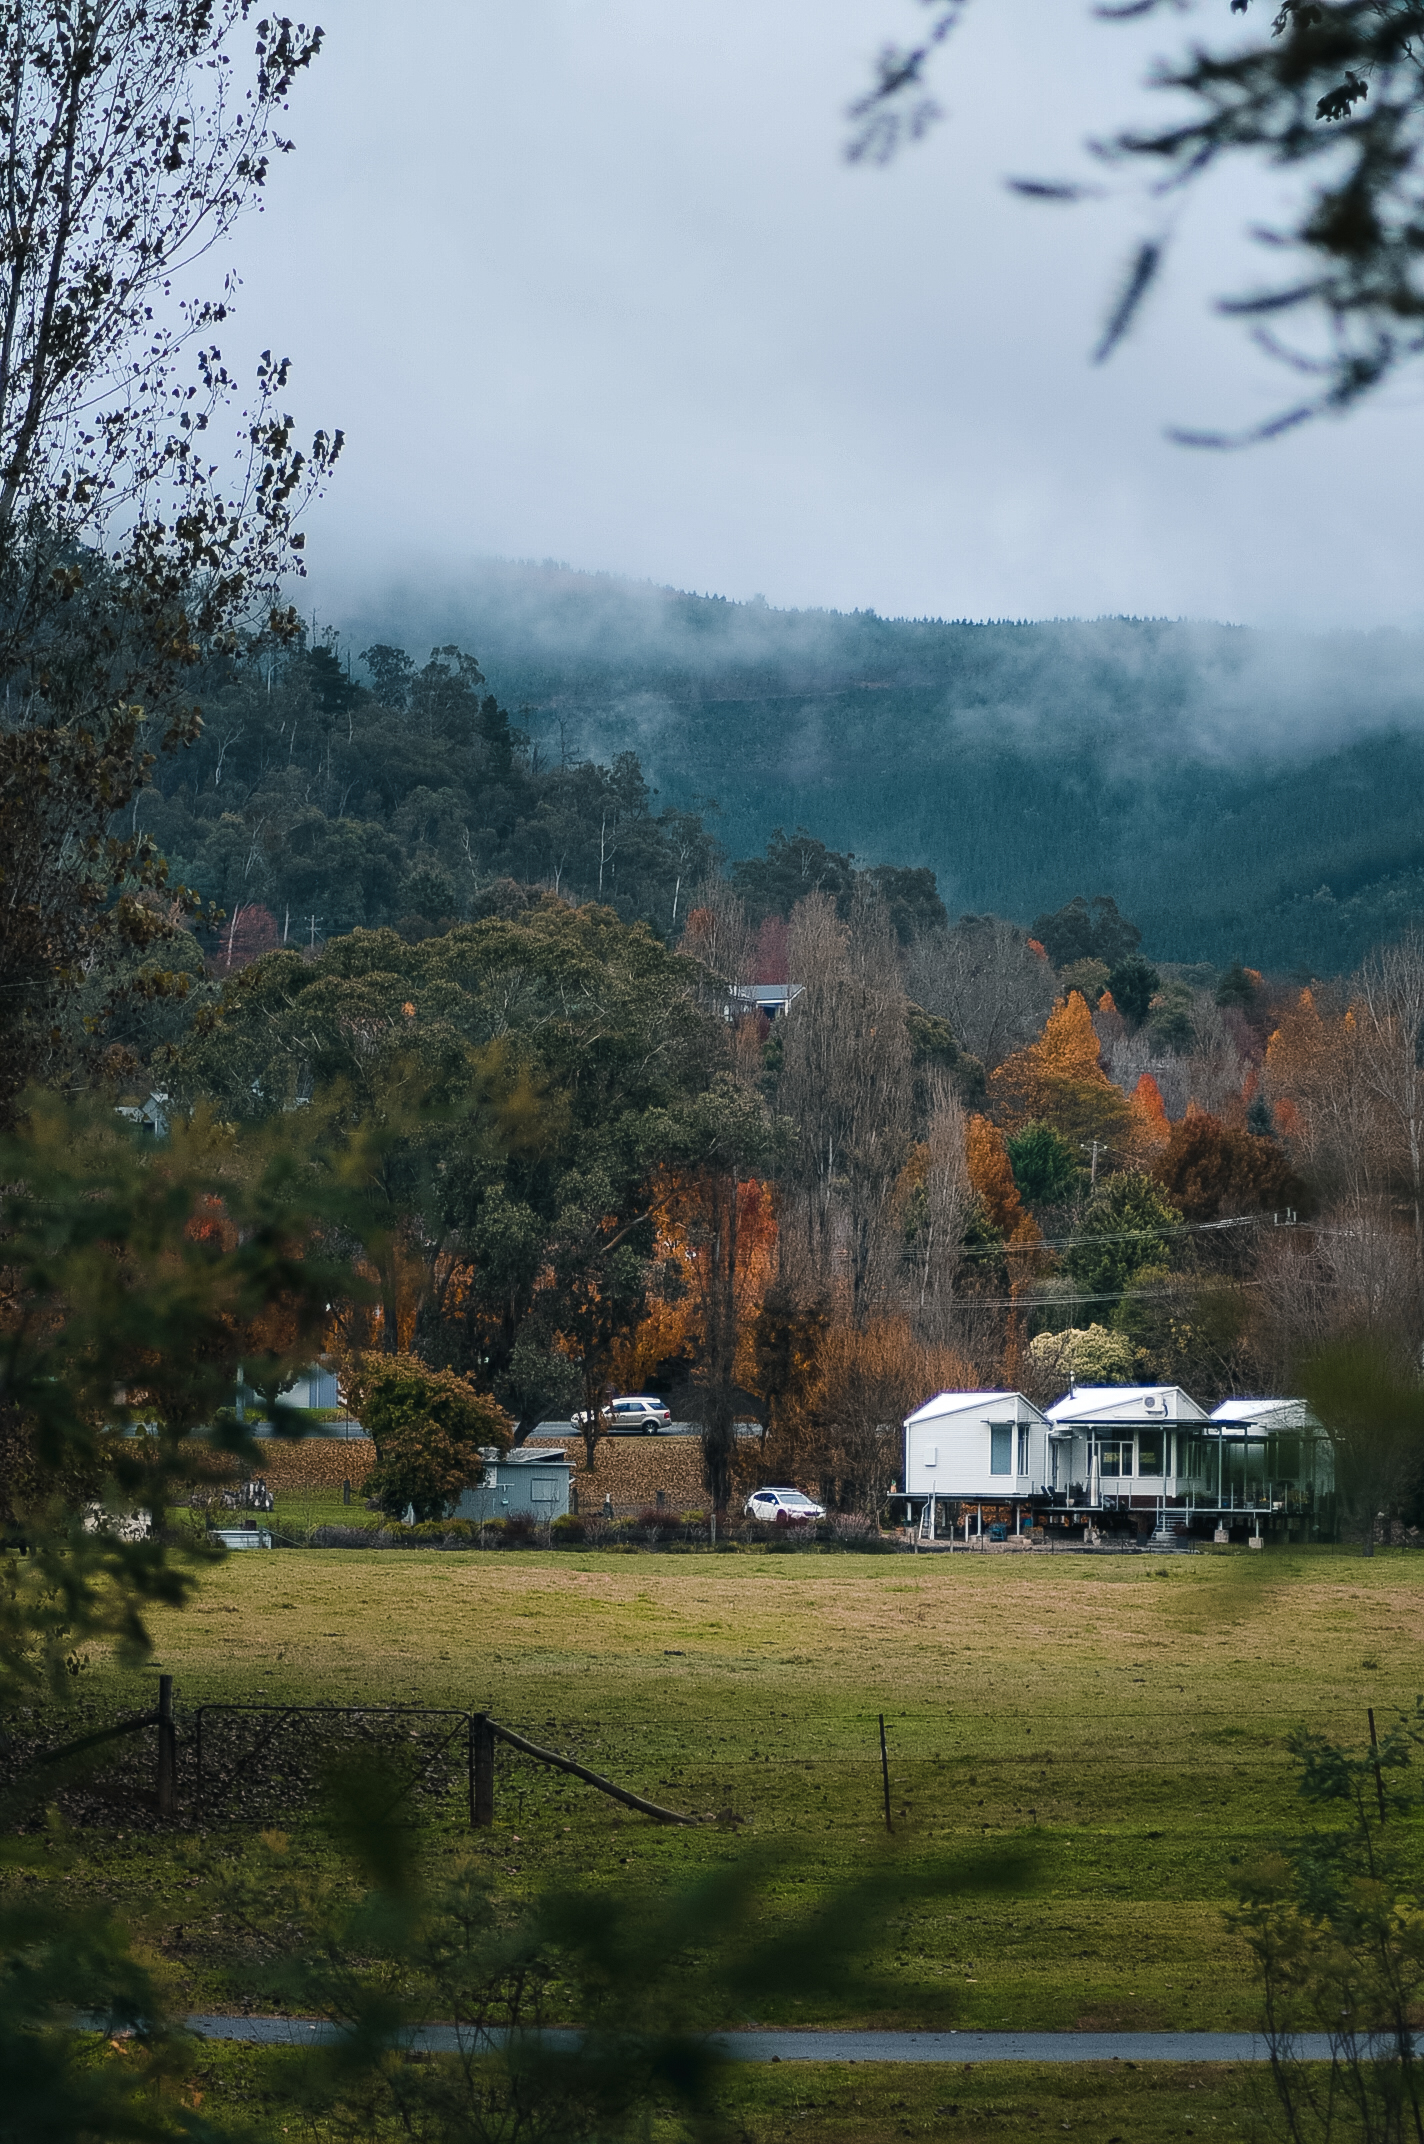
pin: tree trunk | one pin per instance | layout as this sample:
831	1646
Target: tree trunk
719	1426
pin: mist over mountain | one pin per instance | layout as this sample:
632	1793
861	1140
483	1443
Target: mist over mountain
1241	793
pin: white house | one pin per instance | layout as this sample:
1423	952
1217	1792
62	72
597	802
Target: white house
1144	1454
982	1448
771	998
1131	1448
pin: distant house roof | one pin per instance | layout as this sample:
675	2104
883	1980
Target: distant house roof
770	998
150	1116
1264	1414
945	1403
1126	1403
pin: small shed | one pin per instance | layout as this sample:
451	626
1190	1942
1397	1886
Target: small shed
534	1480
246	1535
976	1447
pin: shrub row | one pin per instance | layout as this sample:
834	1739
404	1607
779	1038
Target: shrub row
667	1530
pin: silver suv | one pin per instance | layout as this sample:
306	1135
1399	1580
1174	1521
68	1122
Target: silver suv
631	1417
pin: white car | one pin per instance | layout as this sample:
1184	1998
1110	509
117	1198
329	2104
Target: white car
783	1507
633	1416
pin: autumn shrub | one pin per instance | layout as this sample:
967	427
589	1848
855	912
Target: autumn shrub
570	1531
1209	1168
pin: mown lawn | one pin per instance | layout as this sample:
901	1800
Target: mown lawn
1124	1719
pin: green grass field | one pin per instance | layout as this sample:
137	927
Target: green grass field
867	2103
1125	1719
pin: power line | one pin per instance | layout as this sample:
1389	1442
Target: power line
1071	1302
1286	1218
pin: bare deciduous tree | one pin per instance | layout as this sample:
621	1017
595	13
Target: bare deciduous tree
937	1195
1215	1069
846	1085
983	977
1388	1008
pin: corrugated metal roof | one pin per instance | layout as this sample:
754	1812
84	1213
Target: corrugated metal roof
960	1402
1127	1403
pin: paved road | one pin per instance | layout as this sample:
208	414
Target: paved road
672	1429
962	2047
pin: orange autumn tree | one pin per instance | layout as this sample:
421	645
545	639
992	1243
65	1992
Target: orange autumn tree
840	1431
1060	1080
992	1176
673	1327
1150	1127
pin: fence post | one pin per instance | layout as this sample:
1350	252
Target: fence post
482	1770
885	1773
167	1778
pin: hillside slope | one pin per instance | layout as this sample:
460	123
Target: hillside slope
1242	794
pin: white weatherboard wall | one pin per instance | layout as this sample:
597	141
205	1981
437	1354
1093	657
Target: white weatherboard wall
1130	1445
988	1447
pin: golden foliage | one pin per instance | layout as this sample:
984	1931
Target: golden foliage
1060	1080
992	1175
673	1326
1150	1128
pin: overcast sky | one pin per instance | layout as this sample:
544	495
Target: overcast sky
590	280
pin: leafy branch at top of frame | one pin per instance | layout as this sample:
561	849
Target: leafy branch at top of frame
1333	93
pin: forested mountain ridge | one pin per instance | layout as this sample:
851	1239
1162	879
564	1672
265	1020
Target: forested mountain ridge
1243	794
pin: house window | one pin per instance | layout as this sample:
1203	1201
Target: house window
1115	1459
544	1489
1023	1451
1150	1453
1001	1447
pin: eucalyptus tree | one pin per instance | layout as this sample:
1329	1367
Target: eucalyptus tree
132	542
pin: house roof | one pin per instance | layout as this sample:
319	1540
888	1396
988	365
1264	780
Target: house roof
1264	1414
767	993
945	1403
1126	1403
